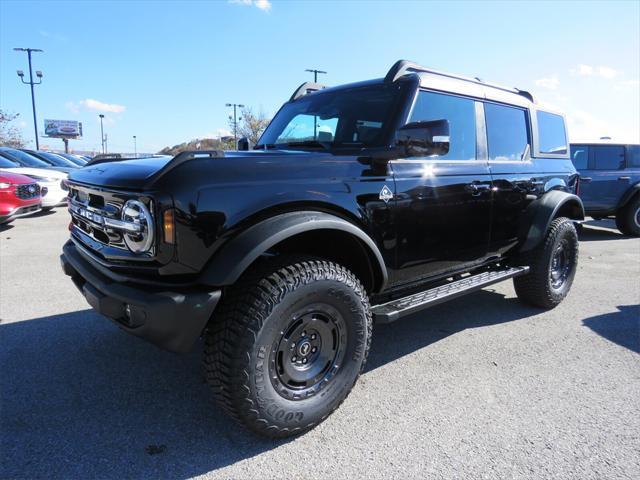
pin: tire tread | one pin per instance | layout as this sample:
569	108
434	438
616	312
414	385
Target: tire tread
235	326
534	288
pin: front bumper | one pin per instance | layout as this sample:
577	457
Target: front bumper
20	212
170	318
55	196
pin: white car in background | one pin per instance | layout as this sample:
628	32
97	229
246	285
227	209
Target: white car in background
52	182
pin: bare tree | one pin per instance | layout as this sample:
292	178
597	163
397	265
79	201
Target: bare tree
10	135
251	125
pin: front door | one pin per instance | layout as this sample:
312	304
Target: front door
442	206
604	183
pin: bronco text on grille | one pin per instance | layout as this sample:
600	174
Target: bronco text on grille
112	219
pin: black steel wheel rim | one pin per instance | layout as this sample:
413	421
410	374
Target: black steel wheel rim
561	264
636	217
308	353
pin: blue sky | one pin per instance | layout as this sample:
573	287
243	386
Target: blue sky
164	70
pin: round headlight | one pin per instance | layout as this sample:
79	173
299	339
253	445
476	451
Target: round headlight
136	212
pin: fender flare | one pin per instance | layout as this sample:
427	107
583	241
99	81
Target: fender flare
229	263
629	194
542	211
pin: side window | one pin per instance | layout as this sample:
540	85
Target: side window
461	114
633	156
507	132
608	157
552	135
580	157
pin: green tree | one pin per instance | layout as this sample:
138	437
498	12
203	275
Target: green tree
10	135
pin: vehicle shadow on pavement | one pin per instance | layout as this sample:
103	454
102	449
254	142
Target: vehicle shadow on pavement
480	309
621	327
81	399
41	213
596	230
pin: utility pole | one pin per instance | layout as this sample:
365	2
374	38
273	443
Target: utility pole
31	83
315	73
105	144
235	121
135	147
101	132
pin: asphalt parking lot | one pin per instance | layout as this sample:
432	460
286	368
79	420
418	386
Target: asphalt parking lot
482	387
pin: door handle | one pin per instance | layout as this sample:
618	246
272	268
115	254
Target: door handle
477	188
624	179
585	179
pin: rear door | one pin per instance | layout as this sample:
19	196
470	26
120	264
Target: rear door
442	207
513	171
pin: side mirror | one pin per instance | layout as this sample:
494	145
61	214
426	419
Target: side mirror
244	144
424	138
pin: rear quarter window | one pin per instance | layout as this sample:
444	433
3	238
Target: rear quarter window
552	134
633	156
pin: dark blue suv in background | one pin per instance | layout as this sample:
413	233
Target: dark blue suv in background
610	182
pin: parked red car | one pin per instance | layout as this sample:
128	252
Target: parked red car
19	195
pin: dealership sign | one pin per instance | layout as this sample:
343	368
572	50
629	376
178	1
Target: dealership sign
62	128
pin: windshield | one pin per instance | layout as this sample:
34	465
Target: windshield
349	118
56	160
77	161
6	163
23	158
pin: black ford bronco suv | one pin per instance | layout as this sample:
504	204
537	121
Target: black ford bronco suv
360	203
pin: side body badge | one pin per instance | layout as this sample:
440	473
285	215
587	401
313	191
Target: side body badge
386	194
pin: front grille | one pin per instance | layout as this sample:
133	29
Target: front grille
97	213
84	203
28	191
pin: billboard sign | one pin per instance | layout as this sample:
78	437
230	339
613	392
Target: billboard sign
62	128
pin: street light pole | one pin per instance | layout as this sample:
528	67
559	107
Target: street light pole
31	83
135	147
315	73
101	132
315	80
235	121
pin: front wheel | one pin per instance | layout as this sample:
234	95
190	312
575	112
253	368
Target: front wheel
552	266
287	345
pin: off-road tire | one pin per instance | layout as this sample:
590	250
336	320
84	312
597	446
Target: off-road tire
538	288
627	218
240	364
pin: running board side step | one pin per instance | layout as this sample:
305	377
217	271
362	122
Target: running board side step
395	309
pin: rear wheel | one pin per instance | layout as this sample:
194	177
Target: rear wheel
628	218
287	344
552	266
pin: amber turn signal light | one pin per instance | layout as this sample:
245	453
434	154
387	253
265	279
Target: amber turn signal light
169	226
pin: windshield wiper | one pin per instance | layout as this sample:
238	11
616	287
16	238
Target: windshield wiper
309	143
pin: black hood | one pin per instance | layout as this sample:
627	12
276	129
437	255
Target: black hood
147	173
